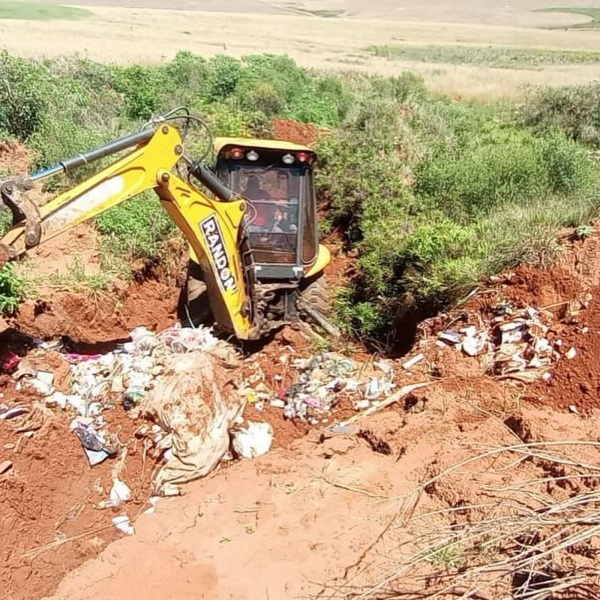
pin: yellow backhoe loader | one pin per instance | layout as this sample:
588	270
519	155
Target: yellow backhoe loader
255	262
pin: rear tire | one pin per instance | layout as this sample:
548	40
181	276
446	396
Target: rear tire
194	307
316	295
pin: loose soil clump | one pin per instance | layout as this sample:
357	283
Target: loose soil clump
14	157
304	134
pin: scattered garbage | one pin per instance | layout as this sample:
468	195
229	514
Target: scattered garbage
131	370
252	441
89	383
321	382
517	343
93	441
123	524
392	399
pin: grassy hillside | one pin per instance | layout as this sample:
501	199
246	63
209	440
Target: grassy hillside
431	193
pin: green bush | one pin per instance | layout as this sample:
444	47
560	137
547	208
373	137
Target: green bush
567	164
138	228
224	74
188	72
435	194
11	289
23	100
145	90
575	110
478	179
430	193
5	221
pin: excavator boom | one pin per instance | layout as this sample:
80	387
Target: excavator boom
213	226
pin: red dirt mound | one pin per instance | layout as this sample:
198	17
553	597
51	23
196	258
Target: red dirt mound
14	157
576	382
106	317
297	133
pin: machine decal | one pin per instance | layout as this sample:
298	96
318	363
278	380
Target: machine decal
214	239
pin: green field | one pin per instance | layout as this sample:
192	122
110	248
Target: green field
39	12
488	56
592	13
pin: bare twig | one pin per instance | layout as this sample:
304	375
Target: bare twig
525	533
41	549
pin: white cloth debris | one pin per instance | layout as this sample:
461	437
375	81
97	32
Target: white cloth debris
123	524
119	493
195	403
253	441
413	361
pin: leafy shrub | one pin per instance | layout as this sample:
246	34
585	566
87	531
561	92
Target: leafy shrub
188	72
430	193
224	75
22	95
11	289
435	194
138	228
58	139
145	89
480	178
567	164
5	221
575	110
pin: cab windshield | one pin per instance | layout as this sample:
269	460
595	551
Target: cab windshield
273	213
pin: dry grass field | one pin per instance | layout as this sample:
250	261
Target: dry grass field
322	34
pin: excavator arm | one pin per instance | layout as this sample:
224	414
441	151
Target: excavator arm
212	226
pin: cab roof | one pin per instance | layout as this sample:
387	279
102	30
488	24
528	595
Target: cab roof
222	142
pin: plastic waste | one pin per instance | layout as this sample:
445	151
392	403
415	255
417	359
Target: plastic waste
9	361
93	442
123	524
452	337
152	501
253	441
119	493
323	379
11	413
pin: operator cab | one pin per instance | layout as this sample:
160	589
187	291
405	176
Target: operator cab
276	178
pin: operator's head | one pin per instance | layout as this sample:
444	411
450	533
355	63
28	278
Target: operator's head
253	184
